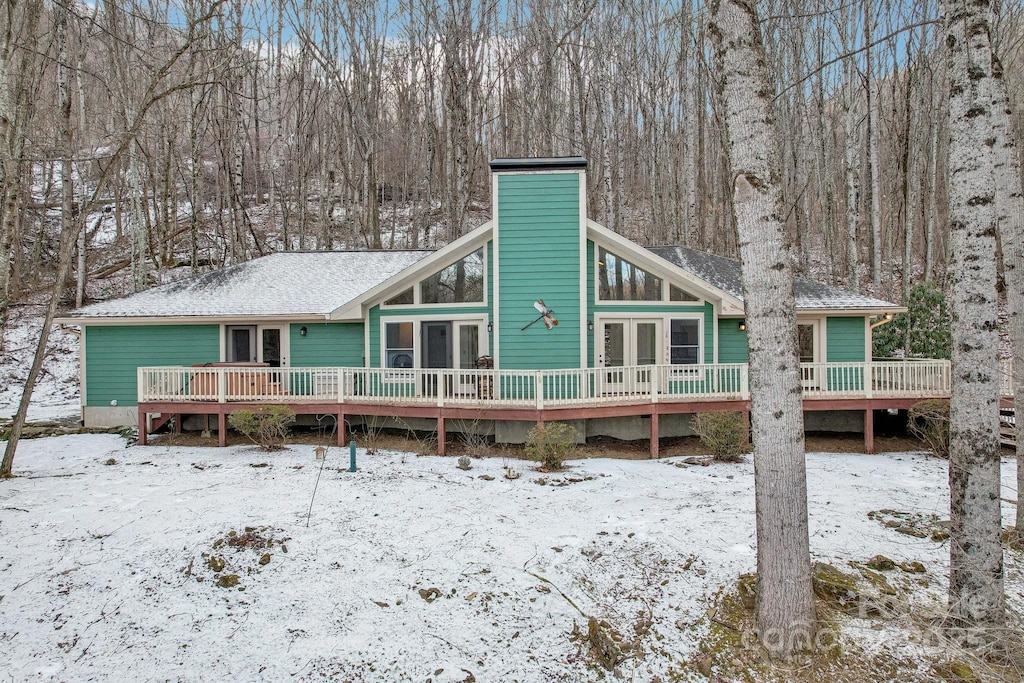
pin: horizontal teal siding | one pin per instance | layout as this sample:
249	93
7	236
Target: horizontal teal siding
538	237
732	342
113	353
844	343
844	339
326	345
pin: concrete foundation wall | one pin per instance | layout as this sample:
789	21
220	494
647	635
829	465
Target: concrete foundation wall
102	417
850	421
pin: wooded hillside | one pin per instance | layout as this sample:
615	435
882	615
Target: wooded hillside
201	133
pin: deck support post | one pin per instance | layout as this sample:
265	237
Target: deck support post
440	435
142	427
177	423
222	427
869	431
655	435
341	428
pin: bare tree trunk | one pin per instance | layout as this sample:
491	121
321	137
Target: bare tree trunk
1010	226
785	605
15	114
69	226
875	208
976	601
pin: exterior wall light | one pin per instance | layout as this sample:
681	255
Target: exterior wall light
303	330
590	326
490	326
743	326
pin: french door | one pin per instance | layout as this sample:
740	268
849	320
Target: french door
628	343
450	344
257	344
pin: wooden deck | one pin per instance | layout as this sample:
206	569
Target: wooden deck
534	396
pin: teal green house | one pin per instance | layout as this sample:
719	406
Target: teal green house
538	310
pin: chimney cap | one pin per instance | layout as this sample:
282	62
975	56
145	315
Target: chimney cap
538	164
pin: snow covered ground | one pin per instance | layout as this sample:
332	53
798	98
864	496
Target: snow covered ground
56	394
409	569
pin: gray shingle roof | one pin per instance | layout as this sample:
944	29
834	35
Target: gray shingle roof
724	273
285	284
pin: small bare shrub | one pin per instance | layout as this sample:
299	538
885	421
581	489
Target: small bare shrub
724	433
464	463
928	420
267	426
550	443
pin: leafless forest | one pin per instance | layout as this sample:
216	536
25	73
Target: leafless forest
146	136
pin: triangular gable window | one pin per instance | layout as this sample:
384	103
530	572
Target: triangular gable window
461	282
679	294
620	280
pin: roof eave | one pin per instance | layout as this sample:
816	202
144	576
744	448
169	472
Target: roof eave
188	319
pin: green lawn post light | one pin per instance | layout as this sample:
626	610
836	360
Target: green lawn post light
352	455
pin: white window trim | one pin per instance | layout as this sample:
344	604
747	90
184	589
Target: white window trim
666	280
417	321
665	320
819	325
679	369
259	327
417	294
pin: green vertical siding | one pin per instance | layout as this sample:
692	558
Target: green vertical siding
326	345
844	340
538	237
732	342
113	353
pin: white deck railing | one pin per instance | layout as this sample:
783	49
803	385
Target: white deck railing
532	388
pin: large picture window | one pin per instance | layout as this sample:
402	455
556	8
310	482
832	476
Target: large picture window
620	280
399	350
684	341
461	282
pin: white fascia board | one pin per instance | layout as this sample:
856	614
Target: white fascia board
353	310
191	319
730	305
867	310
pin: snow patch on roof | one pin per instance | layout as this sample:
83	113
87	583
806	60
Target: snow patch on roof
286	283
724	273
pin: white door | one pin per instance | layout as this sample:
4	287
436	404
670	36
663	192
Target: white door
808	348
628	343
257	344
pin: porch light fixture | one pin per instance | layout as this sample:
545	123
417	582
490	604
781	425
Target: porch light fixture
590	326
743	326
303	330
490	326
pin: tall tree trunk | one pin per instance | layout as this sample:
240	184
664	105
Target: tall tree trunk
1010	222
976	601
874	172
69	226
785	605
